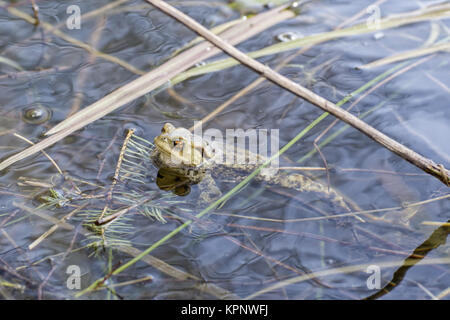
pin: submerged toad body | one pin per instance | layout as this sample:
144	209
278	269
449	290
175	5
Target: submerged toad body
185	159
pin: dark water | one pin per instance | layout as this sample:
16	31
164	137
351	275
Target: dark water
260	236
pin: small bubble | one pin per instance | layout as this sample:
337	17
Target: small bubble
200	64
287	36
69	140
36	114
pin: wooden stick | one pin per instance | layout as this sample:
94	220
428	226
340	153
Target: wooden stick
416	159
150	81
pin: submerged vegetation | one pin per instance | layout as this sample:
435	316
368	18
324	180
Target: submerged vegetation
112	211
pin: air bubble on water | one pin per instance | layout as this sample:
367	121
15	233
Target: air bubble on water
269	5
379	35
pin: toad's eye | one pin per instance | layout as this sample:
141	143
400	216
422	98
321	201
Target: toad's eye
177	142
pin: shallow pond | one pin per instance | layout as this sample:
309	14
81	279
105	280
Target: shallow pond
264	241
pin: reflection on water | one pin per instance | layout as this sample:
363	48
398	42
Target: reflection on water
263	234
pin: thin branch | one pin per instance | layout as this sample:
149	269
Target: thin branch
418	160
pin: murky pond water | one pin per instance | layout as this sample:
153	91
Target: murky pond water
262	242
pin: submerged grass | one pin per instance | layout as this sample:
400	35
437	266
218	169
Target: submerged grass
130	92
239	186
